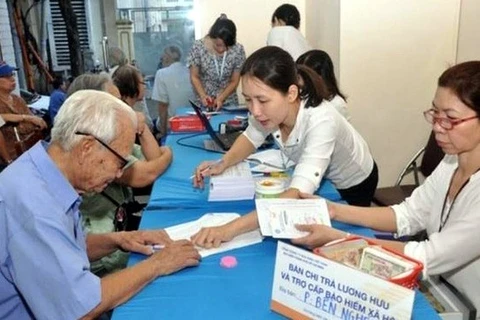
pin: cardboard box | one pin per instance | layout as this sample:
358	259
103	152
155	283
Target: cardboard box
186	123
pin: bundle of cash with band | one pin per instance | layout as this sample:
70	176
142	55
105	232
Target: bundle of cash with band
381	263
346	252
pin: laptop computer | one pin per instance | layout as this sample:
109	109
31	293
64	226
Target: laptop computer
223	140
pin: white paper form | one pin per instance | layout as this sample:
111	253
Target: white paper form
278	217
235	183
188	229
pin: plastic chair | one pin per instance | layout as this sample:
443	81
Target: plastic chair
432	155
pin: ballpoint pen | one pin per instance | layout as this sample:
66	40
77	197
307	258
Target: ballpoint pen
216	163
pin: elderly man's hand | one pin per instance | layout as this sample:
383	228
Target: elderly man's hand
175	256
142	241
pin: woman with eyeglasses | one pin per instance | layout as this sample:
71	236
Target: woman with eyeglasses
447	204
146	162
215	63
289	102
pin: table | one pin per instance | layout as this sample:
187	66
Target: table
209	291
212	292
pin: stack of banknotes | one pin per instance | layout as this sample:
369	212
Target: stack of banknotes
371	259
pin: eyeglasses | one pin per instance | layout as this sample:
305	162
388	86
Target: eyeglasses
124	161
445	123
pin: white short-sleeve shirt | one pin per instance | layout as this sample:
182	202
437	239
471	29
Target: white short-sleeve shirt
172	86
2	122
322	144
289	39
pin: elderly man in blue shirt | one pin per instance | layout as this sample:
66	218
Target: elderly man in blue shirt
44	254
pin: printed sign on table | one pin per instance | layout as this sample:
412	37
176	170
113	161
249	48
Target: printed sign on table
307	286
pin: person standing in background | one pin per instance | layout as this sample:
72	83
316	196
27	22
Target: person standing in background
285	33
57	97
215	63
172	87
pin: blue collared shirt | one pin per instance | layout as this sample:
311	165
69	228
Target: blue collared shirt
56	100
44	268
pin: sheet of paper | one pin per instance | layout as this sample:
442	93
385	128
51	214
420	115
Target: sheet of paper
278	217
186	230
235	183
270	161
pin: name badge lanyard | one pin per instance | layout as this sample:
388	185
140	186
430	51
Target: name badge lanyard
220	71
443	220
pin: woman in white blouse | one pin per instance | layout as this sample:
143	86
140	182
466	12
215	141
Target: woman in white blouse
322	64
307	129
447	204
285	33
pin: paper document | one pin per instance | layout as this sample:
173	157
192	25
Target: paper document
278	217
188	229
270	161
235	183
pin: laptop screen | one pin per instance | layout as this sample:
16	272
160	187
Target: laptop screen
207	125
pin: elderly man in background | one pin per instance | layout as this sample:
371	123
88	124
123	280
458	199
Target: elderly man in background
44	254
172	87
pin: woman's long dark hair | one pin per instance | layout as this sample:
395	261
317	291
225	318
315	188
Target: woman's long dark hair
321	62
224	29
276	68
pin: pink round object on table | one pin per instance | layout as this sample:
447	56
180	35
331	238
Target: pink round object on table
228	262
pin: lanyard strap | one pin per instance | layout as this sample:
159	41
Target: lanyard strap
220	72
447	215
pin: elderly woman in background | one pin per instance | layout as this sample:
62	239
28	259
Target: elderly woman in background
21	129
146	162
215	63
285	33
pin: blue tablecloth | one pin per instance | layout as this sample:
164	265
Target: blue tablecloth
212	292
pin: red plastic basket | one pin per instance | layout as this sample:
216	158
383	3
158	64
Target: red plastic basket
408	281
186	123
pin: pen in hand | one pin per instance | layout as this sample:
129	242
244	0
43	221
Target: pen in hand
216	163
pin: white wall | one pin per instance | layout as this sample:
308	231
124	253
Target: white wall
322	20
469	33
390	59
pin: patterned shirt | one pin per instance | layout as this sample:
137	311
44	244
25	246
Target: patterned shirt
216	70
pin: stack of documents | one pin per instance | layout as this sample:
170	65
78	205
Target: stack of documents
235	183
277	217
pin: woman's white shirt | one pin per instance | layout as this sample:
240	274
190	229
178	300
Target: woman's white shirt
453	252
341	106
289	39
322	144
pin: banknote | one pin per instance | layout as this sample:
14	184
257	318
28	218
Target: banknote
381	264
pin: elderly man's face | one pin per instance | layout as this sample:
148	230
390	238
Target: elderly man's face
103	165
